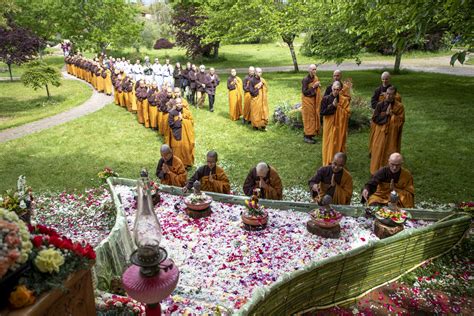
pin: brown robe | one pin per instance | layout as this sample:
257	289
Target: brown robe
341	194
234	84
379	187
275	187
259	103
220	183
176	176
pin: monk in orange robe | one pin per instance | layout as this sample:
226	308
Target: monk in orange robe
107	75
333	180
181	132
141	93
386	134
387	179
336	111
211	176
170	169
165	108
259	102
265	179
234	85
247	96
310	104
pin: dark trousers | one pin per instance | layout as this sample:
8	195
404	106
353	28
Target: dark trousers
211	101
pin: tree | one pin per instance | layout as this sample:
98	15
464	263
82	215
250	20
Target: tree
6	7
18	45
244	20
38	74
186	20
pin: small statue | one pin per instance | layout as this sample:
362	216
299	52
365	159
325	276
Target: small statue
326	201
144	173
197	187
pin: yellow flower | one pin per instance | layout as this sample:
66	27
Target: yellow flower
21	297
49	260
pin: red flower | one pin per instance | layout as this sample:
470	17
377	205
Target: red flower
43	229
56	242
78	250
67	244
37	241
31	228
89	252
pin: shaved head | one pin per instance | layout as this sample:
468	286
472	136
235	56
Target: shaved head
396	158
340	155
395	162
262	169
336	84
312	67
385	74
165	149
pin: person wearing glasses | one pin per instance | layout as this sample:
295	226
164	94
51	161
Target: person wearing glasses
332	180
390	178
386	129
335	109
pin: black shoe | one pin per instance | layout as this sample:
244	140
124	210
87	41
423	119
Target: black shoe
309	140
211	110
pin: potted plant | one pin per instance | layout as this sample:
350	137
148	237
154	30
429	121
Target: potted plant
198	203
325	220
19	201
255	216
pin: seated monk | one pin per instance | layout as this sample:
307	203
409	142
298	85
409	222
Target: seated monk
211	176
170	169
388	178
266	180
332	180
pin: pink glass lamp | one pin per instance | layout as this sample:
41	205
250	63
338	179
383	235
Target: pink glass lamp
151	277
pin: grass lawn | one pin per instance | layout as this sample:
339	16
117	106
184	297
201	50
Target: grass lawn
261	55
20	105
438	141
17	71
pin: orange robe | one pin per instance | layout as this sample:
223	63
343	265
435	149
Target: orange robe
342	193
133	99
176	176
310	106
108	82
184	147
386	139
372	127
235	98
335	128
404	187
274	190
188	136
259	107
219	184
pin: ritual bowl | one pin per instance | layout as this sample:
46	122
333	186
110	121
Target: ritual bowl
255	220
199	206
327	223
392	222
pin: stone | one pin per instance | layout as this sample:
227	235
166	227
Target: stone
333	232
383	231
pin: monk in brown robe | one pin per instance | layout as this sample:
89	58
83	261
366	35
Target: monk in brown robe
386	130
259	102
141	93
165	107
332	180
211	176
181	132
153	105
247	96
390	178
234	85
310	104
202	81
266	180
336	111
170	169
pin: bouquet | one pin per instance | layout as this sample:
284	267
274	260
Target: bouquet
398	216
107	173
328	215
18	201
111	304
15	245
253	208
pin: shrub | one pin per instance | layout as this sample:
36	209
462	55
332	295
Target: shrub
288	115
361	114
163	43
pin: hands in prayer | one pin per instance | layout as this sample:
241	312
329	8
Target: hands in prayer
316	188
316	84
211	178
333	180
365	194
262	184
389	111
165	168
185	189
259	85
334	103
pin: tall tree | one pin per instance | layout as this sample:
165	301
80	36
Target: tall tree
38	75
18	45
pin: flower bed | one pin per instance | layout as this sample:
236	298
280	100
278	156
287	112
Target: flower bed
222	265
89	216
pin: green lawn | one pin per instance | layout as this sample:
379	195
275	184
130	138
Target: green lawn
17	71
438	141
20	105
262	55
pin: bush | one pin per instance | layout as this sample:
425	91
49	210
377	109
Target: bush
286	114
361	114
163	43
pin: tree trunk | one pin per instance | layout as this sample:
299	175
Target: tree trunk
47	90
216	50
10	71
289	41
398	59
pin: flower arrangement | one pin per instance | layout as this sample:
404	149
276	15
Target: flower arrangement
111	304
253	208
18	201
15	245
107	173
396	216
326	214
53	258
466	207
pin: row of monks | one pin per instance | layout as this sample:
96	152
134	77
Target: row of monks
167	112
162	110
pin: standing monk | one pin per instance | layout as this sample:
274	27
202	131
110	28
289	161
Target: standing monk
333	180
181	137
247	96
266	180
234	84
387	179
202	81
336	111
379	93
211	176
386	129
310	104
211	88
141	93
170	169
259	102
107	75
